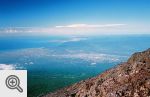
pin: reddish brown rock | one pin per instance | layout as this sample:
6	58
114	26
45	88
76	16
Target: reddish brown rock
129	79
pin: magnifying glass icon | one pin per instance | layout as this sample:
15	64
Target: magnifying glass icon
13	82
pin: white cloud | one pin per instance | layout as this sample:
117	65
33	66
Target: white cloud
7	67
50	29
79	29
93	57
90	26
27	56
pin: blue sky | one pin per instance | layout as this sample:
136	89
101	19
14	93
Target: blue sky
75	16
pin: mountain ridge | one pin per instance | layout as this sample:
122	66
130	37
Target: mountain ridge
128	79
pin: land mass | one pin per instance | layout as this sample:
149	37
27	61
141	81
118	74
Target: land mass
128	79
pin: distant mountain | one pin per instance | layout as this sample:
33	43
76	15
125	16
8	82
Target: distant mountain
129	79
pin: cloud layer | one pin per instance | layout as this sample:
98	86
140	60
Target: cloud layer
67	29
90	26
7	67
78	29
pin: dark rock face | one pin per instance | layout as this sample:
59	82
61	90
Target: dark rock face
129	79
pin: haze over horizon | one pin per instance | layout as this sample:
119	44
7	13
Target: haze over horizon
74	17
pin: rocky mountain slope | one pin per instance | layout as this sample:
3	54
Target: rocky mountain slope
129	79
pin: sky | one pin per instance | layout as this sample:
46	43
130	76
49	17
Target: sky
67	17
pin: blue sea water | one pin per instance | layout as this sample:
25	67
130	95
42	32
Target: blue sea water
54	62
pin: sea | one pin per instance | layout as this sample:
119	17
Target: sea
54	62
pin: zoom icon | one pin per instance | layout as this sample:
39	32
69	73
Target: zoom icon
13	82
